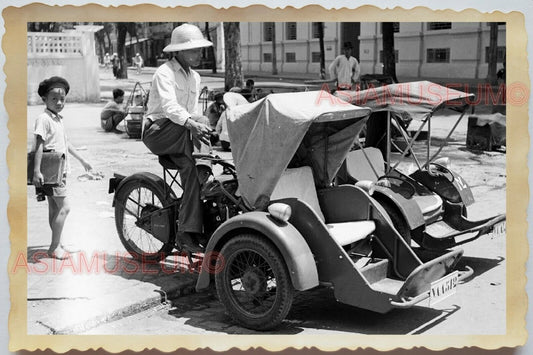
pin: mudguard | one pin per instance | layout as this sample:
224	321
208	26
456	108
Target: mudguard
292	246
119	181
454	191
407	207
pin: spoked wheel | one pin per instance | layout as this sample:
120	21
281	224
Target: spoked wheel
135	202
254	284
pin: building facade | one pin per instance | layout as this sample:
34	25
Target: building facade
297	45
423	49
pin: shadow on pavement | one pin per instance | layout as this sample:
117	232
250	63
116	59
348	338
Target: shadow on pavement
479	265
316	309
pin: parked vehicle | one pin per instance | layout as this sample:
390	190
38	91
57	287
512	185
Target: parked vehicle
430	204
277	225
136	108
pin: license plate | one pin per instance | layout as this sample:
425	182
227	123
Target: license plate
499	230
443	288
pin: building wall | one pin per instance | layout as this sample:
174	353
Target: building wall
254	47
466	42
69	55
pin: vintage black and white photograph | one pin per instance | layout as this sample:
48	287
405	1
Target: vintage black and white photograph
288	178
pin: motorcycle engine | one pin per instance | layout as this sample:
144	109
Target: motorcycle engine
218	207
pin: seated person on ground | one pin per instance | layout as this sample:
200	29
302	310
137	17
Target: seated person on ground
113	112
248	91
213	113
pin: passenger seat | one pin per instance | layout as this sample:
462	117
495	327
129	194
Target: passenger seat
299	183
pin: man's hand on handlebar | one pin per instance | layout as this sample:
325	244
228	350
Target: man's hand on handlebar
199	130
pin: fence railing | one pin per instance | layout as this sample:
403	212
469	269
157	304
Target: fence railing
56	44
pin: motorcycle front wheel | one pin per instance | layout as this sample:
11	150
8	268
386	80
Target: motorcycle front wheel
135	201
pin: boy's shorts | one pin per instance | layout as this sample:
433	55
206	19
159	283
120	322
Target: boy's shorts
57	191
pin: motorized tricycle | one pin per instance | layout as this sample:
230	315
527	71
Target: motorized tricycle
428	205
277	224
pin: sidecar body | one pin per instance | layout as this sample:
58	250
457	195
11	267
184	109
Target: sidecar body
428	205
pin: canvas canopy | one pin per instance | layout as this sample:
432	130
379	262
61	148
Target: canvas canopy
305	128
415	99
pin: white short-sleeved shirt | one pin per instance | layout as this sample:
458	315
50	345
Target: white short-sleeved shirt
50	127
174	93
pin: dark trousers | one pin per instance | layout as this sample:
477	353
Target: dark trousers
164	137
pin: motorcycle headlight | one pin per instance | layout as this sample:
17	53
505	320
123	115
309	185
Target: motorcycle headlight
366	185
280	211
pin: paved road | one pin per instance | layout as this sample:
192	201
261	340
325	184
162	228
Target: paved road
477	308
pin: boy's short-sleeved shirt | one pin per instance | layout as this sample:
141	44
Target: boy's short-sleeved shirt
50	127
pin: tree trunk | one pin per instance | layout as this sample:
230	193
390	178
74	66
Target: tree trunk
274	59
493	54
322	52
210	51
108	28
232	43
389	60
122	29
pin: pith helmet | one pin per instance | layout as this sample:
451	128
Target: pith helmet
186	36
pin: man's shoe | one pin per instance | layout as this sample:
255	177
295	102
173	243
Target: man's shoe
188	241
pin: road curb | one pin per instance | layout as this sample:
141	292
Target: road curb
120	308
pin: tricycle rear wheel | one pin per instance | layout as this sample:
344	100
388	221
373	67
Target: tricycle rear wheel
254	284
137	199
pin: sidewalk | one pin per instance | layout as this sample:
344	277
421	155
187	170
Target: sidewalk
101	282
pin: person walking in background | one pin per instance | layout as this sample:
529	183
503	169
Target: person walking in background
139	63
173	116
345	69
49	133
107	60
115	62
113	112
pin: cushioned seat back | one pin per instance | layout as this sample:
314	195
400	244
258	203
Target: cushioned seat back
358	166
298	183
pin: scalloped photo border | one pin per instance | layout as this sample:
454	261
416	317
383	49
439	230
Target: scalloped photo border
14	47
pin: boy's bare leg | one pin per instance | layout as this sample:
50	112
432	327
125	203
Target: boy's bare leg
52	211
62	209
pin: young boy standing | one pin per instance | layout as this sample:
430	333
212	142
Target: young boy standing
50	136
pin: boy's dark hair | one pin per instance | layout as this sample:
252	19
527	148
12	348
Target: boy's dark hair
118	93
52	83
250	82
